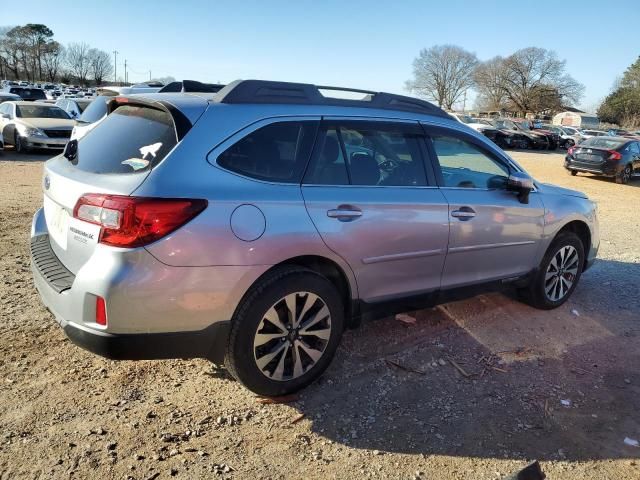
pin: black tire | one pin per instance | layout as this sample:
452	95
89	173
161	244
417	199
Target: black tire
573	172
530	145
17	144
535	294
624	176
268	291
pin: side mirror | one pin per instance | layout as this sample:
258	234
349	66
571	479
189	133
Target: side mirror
521	183
6	115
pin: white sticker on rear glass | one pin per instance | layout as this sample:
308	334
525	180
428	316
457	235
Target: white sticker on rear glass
150	150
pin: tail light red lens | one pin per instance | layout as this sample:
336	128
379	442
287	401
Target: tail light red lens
101	312
135	221
613	155
570	150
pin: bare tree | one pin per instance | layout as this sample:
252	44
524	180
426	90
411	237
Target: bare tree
535	80
489	80
52	56
443	73
78	61
100	65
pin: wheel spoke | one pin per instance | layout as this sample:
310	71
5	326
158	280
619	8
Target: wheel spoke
549	275
552	286
309	302
262	338
273	318
278	373
297	361
290	301
554	264
320	315
312	352
263	361
324	333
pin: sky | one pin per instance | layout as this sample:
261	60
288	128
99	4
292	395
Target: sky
359	44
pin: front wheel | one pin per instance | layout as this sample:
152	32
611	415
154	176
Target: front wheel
285	332
17	142
558	273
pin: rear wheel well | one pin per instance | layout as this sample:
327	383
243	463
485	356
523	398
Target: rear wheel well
582	231
330	270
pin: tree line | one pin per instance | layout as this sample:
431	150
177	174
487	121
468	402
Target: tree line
30	53
622	105
531	80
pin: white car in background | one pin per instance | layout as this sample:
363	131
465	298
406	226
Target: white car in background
27	125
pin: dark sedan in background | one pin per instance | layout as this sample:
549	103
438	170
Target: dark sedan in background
616	157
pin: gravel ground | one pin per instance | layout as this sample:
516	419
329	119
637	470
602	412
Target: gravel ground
562	386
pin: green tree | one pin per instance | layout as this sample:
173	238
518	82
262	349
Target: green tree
622	106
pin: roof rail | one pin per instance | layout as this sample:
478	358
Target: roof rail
264	91
191	86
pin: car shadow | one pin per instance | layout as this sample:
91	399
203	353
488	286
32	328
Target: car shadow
633	182
492	377
9	154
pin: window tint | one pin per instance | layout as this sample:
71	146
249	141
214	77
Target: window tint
131	139
277	152
464	165
376	154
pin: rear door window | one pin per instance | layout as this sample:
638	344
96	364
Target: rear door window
369	154
277	152
131	139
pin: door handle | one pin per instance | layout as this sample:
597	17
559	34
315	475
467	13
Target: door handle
465	213
344	213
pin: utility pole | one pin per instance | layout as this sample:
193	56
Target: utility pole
125	71
464	102
115	66
149	75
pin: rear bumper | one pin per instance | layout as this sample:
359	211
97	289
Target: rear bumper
606	169
209	343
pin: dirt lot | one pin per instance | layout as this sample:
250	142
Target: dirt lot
68	414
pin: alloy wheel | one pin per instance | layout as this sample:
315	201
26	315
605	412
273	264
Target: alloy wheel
626	174
561	273
292	336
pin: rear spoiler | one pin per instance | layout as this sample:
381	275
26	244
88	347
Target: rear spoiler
181	123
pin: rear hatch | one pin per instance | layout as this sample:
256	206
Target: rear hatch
114	158
590	155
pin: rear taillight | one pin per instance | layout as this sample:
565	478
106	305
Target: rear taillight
570	150
613	155
101	312
135	221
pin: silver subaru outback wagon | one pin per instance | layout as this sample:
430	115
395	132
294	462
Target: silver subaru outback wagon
252	226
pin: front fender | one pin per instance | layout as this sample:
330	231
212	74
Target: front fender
560	210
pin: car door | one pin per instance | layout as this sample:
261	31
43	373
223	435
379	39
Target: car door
492	234
374	202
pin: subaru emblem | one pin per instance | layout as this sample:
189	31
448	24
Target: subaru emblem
47	182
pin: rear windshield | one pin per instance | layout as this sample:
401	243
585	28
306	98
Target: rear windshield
603	142
131	139
96	110
40	111
29	93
